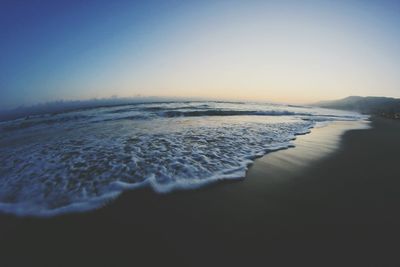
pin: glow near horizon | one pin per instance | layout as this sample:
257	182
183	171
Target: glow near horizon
286	51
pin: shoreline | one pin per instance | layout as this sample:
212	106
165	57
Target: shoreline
325	134
308	149
334	209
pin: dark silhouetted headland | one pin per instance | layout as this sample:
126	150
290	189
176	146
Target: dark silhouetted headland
382	106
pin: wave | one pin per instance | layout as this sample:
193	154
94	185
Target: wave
216	112
46	120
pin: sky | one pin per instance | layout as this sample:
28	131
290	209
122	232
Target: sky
282	51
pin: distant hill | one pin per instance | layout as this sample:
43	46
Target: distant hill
382	106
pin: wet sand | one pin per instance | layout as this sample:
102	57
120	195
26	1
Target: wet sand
327	202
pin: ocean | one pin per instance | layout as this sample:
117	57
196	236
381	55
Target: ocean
80	160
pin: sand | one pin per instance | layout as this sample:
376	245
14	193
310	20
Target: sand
331	201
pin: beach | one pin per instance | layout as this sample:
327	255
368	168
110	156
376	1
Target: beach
330	201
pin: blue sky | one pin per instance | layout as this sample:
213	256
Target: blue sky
293	51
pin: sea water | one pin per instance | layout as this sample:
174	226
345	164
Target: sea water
80	160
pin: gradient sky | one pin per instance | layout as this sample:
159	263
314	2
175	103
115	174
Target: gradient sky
286	51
